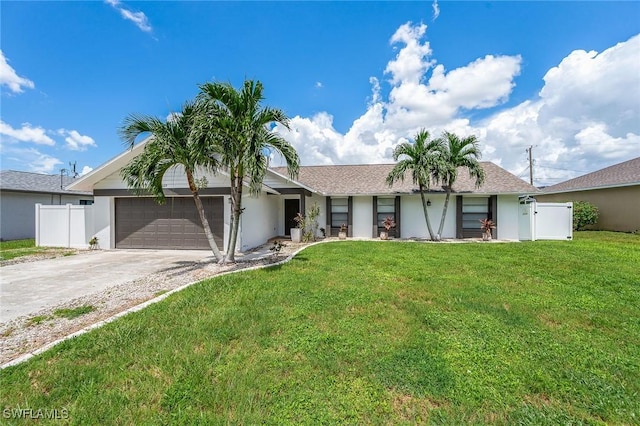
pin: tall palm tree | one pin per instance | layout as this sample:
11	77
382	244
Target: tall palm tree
457	152
171	143
422	158
237	123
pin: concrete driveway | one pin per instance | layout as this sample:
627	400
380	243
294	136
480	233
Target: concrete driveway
26	288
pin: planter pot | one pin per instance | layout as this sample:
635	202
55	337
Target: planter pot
296	235
384	235
342	235
486	236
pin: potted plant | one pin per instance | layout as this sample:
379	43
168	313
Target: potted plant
93	243
296	233
342	234
486	225
388	223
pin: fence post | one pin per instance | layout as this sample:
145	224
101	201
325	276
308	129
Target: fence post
68	225
38	224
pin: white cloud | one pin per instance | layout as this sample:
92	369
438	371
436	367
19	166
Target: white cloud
75	141
585	117
31	159
43	163
318	84
138	18
314	138
85	170
26	133
412	103
9	77
410	64
436	9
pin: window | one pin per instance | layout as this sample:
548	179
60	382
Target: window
86	202
339	212
473	209
386	207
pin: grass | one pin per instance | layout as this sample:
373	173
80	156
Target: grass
69	313
18	248
369	333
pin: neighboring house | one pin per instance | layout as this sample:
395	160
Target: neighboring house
354	195
21	191
615	190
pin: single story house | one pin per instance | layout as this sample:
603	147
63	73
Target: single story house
615	190
355	195
21	191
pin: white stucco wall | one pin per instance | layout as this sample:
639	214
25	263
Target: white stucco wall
259	222
362	217
508	217
104	221
412	220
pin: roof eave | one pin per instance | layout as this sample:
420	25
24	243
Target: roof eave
87	181
590	188
32	191
295	182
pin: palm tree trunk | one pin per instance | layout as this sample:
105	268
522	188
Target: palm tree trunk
203	217
426	213
236	203
444	212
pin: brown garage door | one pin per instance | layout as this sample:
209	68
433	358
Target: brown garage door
143	223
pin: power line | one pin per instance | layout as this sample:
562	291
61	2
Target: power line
565	170
523	172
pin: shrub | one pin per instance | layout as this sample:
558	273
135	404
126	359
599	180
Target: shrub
584	213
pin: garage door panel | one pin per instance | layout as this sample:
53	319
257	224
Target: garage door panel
142	223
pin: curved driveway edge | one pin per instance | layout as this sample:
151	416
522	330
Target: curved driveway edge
141	306
26	288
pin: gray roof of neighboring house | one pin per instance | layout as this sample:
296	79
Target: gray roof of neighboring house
621	174
370	179
11	180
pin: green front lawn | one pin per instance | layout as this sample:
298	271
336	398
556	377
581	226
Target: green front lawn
19	248
369	333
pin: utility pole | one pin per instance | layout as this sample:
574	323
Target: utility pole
529	150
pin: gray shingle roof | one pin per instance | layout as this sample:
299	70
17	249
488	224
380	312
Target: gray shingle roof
11	180
369	179
621	174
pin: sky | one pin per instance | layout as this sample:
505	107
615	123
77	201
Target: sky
355	78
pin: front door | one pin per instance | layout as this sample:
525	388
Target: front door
291	209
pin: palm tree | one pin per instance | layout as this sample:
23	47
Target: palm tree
456	153
422	159
171	143
237	123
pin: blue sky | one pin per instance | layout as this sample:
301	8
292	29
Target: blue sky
355	77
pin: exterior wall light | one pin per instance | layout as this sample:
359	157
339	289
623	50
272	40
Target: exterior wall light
428	202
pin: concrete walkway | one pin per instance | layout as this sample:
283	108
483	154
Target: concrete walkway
27	288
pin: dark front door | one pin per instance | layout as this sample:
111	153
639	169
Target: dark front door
291	209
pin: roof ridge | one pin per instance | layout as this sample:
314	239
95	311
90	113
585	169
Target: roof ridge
32	173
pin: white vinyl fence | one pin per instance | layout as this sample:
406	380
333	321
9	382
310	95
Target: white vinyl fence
545	221
64	226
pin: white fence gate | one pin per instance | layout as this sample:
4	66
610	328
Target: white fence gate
545	221
64	226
